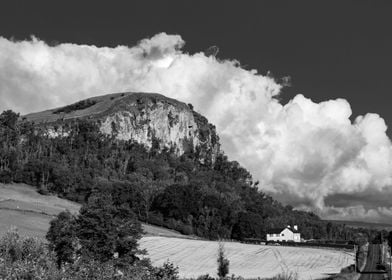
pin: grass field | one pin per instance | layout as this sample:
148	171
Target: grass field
30	212
196	257
23	207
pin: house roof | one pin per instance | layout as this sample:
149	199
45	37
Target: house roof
293	230
279	230
276	230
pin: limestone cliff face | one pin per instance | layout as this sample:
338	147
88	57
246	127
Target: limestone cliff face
149	119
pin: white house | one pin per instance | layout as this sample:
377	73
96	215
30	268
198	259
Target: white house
285	234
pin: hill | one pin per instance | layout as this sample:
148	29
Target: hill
99	106
152	153
142	117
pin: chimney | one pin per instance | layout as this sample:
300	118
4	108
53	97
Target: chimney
295	227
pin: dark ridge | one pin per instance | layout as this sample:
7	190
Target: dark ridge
76	106
100	105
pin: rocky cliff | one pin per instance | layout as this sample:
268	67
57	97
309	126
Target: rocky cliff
142	117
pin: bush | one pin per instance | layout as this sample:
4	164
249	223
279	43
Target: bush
28	258
43	190
167	272
25	258
348	269
186	229
156	219
223	262
5	177
13	248
205	277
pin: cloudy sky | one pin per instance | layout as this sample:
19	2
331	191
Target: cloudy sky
300	93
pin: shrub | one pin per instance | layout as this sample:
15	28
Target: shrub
186	229
25	258
348	269
166	272
5	177
28	258
205	277
223	262
155	219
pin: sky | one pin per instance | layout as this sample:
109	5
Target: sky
299	90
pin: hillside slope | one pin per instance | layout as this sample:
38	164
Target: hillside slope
21	206
180	181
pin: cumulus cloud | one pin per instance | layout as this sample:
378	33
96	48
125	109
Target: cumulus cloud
308	154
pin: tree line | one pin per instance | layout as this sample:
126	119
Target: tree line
185	193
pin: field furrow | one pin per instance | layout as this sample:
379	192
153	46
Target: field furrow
197	257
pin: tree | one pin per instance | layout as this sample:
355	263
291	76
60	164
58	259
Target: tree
389	238
249	225
166	272
9	119
329	230
223	262
106	231
62	238
101	231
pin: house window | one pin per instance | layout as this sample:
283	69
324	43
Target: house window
282	234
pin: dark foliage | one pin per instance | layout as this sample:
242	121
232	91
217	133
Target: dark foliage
166	272
76	106
102	232
105	229
223	262
389	239
194	196
205	277
29	258
62	238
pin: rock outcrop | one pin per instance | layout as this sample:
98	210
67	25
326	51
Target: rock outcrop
149	119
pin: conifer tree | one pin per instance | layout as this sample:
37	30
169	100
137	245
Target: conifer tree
223	262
